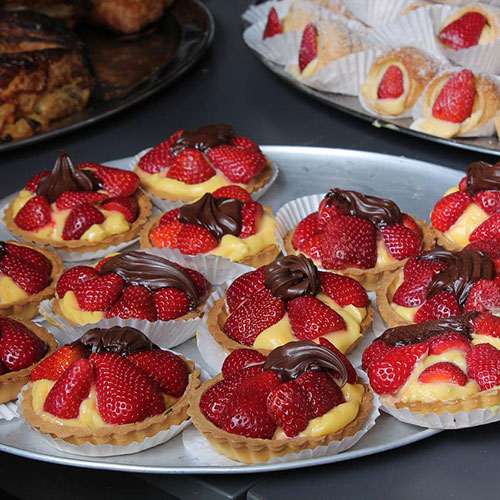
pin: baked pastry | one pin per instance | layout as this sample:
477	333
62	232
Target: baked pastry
87	208
290	300
359	235
45	73
474	24
439	284
130	285
302	396
226	223
190	164
22	345
296	19
109	387
27	276
334	6
396	80
470	212
458	103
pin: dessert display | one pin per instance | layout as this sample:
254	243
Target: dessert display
22	345
439	284
470	212
112	386
358	235
290	300
79	209
191	163
27	276
302	396
227	223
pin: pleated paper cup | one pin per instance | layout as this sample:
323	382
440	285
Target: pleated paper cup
258	13
8	411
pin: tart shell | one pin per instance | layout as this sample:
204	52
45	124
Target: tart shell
445	242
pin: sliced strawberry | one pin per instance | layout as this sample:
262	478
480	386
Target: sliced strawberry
243	287
312	247
191	167
392	84
32	184
245	143
81	218
70	199
115	181
447	342
136	302
490	248
160	157
234	192
193	239
463	184
343	290
400	241
305	230
170	216
127	205
31	255
484	296
199	280
166	235
55	365
310	318
308	46
74	277
488	230
443	372
171	303
100	293
100	264
251	213
26	275
257	381
373	352
240	359
326	211
487	324
352	376
489	201
413	291
464	32
442	305
448	209
456	99
273	25
483	365
414	266
34	215
409	222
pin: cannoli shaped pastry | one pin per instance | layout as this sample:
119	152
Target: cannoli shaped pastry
335	6
396	80
457	103
296	19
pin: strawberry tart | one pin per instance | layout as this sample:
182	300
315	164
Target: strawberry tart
111	386
227	223
439	284
359	235
27	276
79	209
470	212
22	345
290	300
191	163
303	395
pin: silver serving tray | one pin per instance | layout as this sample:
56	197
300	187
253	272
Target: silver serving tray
413	184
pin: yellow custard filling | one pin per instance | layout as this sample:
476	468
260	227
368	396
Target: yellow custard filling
10	292
486	339
460	232
71	311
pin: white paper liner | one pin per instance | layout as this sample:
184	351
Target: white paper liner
167	205
8	411
200	449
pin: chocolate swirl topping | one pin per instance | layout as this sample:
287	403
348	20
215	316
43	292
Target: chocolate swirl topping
151	271
483	176
204	138
464	268
219	215
379	211
122	340
292	276
65	177
294	358
421	332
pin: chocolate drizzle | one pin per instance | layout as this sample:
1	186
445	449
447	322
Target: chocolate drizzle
294	358
204	138
379	211
219	215
65	177
463	269
151	271
421	332
482	176
291	277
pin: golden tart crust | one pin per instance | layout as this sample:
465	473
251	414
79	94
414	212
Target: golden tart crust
252	450
444	242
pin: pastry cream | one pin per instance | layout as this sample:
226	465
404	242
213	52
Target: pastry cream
9	291
22	198
472	217
71	310
486	339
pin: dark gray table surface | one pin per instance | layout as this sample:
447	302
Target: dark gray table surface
230	85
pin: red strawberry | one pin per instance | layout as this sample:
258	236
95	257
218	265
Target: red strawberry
100	293
414	265
326	211
31	255
443	372
463	184
240	359
446	342
308	46
32	184
193	239
483	365
273	25
289	408
167	369
442	305
238	165
124	393
136	302
413	291
400	241
234	192
116	181
484	296
489	201
191	167
490	248
257	381
251	213
199	280
81	218
487	324
310	318
67	394
343	290
488	230
70	199
170	216
409	222
34	215
464	32
392	84
305	230
456	99
127	205
260	311
160	157
352	376
312	247
245	143
349	241
100	264
448	209
373	352
74	277
55	365
28	276
166	236
389	372
243	287
171	303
